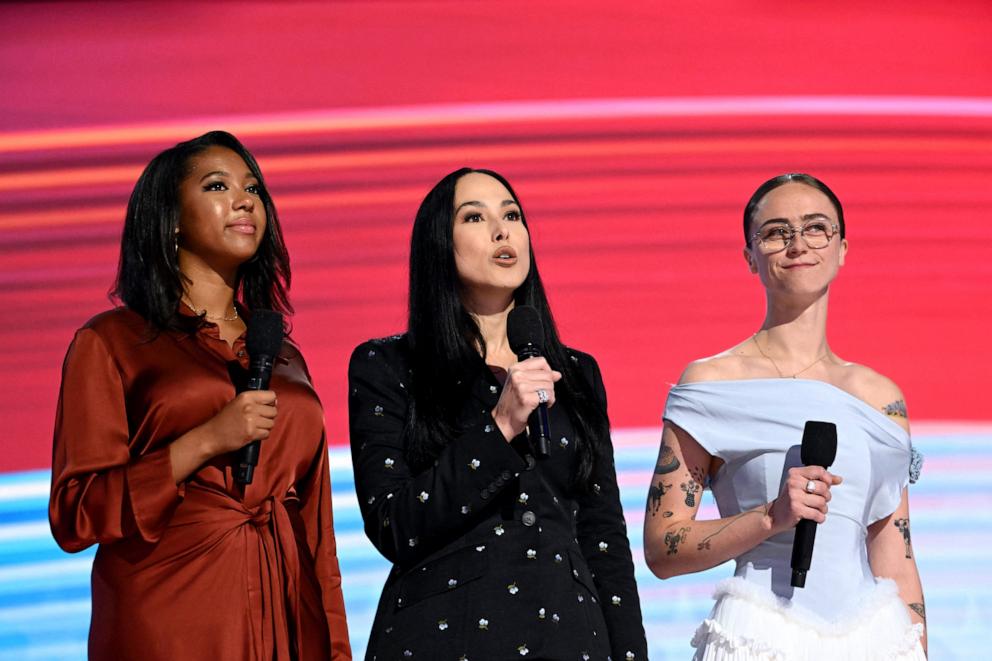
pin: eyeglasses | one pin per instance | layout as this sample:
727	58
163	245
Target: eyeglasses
777	237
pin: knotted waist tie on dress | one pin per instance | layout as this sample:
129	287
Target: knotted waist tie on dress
272	564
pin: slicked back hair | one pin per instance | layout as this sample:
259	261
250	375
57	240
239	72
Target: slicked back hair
781	180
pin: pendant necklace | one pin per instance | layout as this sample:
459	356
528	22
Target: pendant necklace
234	317
775	365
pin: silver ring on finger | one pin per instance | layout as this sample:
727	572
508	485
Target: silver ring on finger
810	486
542	396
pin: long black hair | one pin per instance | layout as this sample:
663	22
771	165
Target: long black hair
781	180
446	343
148	277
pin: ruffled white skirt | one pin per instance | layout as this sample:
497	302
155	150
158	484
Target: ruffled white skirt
749	623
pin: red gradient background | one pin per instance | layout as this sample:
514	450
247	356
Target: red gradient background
633	133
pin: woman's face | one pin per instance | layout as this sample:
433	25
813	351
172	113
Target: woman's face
222	216
798	268
492	246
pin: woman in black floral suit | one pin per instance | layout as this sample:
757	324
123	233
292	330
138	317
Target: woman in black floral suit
497	553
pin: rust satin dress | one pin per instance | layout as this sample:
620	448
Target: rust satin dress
205	570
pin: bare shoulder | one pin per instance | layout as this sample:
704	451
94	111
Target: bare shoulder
877	390
725	366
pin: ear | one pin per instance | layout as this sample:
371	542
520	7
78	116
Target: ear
752	265
843	251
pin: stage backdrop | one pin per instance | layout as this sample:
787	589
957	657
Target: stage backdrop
633	136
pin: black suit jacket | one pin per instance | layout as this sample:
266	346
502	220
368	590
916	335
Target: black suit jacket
494	555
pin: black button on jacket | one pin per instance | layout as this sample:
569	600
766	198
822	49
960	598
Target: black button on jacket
495	556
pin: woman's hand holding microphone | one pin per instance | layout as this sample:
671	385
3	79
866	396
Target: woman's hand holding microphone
525	381
804	495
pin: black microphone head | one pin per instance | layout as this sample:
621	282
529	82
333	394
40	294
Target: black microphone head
265	333
524	329
819	446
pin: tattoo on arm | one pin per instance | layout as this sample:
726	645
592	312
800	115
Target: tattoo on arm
704	545
699	475
920	610
667	462
903	526
691	488
655	492
672	540
896	409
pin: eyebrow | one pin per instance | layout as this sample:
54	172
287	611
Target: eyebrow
224	173
477	203
805	218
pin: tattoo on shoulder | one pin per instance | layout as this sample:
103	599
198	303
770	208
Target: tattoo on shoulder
920	610
896	409
667	462
672	540
903	526
655	492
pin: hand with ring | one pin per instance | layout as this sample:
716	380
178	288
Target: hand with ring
528	383
804	495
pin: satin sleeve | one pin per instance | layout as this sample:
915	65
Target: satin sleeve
318	518
102	491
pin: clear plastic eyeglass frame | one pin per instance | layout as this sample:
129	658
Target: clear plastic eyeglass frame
834	229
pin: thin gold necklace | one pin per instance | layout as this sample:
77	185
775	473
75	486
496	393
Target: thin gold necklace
203	312
775	365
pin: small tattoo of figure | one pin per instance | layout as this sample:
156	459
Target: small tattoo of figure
903	526
667	461
896	409
655	492
672	540
920	610
691	488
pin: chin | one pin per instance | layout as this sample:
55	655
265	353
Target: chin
243	251
802	289
514	284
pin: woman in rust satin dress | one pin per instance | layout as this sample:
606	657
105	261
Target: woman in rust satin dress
191	565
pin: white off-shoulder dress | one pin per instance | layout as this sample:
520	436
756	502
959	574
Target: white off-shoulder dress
844	612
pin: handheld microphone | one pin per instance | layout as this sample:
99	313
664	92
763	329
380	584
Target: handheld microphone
265	334
819	448
525	333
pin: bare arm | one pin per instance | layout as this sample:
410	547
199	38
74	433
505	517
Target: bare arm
675	543
890	554
890	547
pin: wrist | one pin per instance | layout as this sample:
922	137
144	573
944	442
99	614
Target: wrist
200	443
504	426
768	519
188	452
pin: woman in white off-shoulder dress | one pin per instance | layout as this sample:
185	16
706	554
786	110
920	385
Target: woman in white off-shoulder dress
735	422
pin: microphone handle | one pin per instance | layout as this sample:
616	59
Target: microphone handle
540	431
802	551
537	423
260	373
